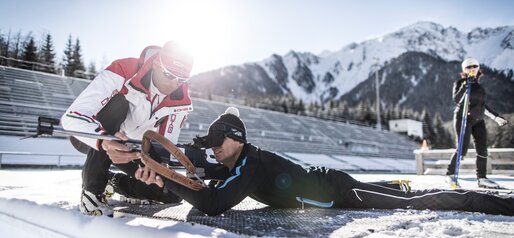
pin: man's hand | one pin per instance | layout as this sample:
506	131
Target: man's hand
148	176
117	152
500	121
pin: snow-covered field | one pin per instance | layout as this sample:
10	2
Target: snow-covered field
44	203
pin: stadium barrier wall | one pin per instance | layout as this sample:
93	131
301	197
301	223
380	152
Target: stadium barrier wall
500	161
30	159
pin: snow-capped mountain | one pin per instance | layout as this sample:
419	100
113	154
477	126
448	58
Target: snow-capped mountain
330	75
423	82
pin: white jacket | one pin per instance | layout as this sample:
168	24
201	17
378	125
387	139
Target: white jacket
126	76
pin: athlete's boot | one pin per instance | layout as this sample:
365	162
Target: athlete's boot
487	183
94	205
113	186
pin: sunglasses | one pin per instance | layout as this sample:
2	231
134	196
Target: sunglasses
169	75
472	66
216	139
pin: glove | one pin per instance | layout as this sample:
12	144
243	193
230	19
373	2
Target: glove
197	156
197	142
471	79
500	121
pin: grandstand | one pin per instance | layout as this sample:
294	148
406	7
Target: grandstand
25	95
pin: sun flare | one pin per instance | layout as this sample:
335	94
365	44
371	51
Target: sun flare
202	26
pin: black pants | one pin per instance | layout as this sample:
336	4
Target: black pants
95	173
479	133
355	194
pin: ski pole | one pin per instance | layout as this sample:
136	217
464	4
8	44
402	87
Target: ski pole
462	133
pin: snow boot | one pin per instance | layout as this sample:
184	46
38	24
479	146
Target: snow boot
94	205
487	183
403	185
113	186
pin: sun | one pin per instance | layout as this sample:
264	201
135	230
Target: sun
204	27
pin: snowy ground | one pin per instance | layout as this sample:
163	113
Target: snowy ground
44	203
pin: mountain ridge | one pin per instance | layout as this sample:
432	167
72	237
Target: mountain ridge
333	76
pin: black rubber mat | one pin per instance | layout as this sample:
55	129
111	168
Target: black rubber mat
255	219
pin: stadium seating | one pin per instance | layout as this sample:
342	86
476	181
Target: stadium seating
25	95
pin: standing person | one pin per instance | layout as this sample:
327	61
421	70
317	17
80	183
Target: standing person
129	97
278	182
475	125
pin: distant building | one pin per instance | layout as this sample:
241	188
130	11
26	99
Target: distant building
411	127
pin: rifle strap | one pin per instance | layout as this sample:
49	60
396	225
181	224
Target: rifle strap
163	170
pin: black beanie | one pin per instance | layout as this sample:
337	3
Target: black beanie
226	125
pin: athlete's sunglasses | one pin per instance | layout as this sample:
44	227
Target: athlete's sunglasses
169	75
472	66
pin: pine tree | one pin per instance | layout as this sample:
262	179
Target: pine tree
331	104
346	112
397	112
15	52
366	114
78	64
404	113
284	106
3	49
29	54
67	60
428	130
442	136
510	74
47	54
301	108
91	70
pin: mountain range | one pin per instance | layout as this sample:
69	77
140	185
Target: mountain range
416	64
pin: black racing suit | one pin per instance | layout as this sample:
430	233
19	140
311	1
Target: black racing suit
475	123
278	182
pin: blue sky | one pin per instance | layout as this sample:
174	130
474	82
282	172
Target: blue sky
226	32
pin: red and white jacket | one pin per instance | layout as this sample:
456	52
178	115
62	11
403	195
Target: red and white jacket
124	76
